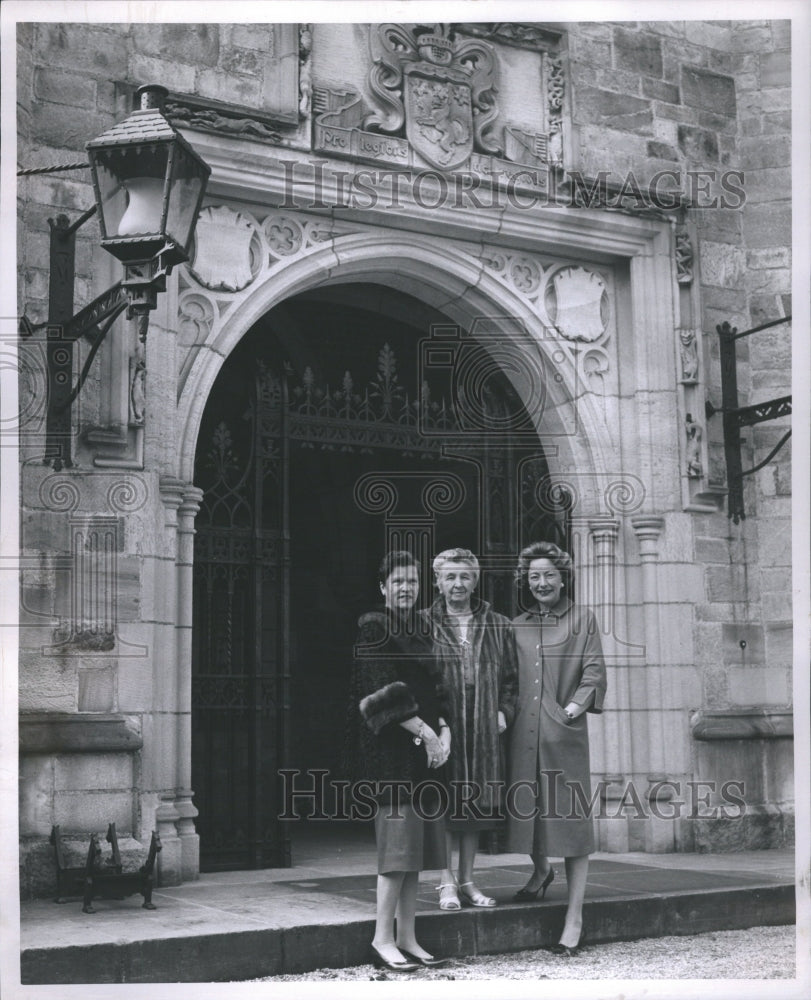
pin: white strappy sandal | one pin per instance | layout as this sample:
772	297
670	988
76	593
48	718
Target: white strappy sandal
474	897
449	896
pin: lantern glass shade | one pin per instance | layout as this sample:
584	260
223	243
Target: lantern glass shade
148	193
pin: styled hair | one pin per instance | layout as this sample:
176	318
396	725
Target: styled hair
545	550
395	560
457	556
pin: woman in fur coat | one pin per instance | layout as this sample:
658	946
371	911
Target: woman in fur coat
475	649
404	741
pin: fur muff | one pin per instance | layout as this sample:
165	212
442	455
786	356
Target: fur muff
392	703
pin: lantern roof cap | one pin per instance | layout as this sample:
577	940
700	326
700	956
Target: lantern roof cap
140	126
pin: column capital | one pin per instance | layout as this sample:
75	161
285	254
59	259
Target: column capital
171	491
604	524
648	528
190	505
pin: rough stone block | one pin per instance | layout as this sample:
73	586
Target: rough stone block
698	144
148	67
766	225
58	87
752	653
36	791
100	51
84	812
618	111
662	151
74	772
781	34
197	44
780	643
638	52
767	185
759	686
253	36
224	86
97	689
708	91
661	91
248	62
775	69
54	127
722	265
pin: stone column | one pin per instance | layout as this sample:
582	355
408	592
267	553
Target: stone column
189	839
657	835
612	751
165	748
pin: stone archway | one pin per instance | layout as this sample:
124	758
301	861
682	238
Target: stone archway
579	444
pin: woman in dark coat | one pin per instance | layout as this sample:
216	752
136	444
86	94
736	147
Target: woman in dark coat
403	740
561	677
475	648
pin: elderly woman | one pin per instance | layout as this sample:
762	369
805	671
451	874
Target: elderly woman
403	740
561	676
475	648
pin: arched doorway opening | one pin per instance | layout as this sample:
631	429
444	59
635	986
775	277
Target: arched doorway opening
326	438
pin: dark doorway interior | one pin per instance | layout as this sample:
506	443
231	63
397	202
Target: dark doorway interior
319	397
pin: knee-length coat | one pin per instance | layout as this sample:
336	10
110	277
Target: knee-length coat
560	660
492	655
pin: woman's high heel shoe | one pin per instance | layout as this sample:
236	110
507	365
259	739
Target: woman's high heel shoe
526	895
428	963
564	951
379	962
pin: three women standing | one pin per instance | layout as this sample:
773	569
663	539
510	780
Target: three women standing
561	677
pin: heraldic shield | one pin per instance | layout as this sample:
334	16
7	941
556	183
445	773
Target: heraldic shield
439	118
442	88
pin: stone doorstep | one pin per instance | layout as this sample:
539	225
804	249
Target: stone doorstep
244	955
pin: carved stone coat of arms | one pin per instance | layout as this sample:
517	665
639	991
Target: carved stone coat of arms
443	89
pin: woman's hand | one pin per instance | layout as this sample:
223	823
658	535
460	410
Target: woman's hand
502	723
435	750
573	710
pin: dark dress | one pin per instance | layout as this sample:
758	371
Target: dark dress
394	679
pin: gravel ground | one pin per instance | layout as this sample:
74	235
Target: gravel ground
756	953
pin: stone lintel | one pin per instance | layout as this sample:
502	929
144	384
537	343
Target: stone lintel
742	724
64	732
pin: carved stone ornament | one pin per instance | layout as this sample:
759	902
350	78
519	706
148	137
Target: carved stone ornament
442	89
689	356
684	257
222	250
694	432
208	117
137	392
578	302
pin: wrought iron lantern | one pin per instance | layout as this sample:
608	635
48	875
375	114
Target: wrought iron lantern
149	186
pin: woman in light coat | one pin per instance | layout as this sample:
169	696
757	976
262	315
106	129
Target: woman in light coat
561	677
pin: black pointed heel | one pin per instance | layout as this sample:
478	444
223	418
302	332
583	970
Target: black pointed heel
530	895
428	963
379	962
